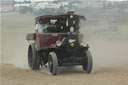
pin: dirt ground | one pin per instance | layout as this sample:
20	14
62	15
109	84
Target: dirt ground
110	59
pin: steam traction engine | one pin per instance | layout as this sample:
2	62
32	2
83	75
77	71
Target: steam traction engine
60	45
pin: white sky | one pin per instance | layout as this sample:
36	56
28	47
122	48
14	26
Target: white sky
62	0
116	0
36	0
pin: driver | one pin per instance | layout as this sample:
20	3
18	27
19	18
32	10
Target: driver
40	27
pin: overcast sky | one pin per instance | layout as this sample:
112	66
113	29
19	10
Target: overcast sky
62	0
35	0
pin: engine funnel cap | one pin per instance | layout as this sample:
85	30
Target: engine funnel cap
70	12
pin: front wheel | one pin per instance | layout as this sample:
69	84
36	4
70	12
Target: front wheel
88	62
53	63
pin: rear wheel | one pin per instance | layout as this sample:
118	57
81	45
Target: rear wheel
33	58
88	62
53	63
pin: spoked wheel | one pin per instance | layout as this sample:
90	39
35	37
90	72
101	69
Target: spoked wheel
88	63
33	58
53	63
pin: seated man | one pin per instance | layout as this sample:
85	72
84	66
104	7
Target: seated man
40	27
56	26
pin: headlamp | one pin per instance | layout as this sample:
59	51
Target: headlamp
58	43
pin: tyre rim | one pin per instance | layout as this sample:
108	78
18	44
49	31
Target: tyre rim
50	64
30	57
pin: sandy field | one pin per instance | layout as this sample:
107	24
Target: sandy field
109	50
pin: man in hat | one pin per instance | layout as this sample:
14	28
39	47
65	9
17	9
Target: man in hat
40	27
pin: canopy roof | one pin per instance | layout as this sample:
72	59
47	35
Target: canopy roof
61	16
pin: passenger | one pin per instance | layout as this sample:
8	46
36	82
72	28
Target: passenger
40	27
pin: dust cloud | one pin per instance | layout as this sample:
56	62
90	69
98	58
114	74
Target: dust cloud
106	35
14	45
105	30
